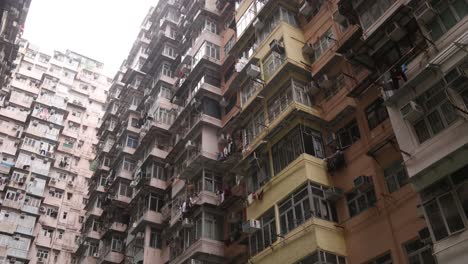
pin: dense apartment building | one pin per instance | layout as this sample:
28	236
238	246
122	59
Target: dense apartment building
49	114
12	17
274	131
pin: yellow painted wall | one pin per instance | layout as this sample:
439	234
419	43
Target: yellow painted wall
304	168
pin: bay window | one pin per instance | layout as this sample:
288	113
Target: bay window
309	201
449	13
272	63
446	205
266	236
298	141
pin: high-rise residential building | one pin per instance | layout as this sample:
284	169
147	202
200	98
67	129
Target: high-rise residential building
12	17
49	114
280	131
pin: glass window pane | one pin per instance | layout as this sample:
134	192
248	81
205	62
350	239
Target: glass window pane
435	219
451	213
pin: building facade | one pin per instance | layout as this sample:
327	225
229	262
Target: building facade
12	17
272	131
49	116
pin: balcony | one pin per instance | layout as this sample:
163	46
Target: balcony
21	99
203	246
195	158
30	209
25	86
43	241
47	220
95	211
317	233
54	201
96	235
52	101
43	131
293	109
47	115
16	252
305	167
148	217
109	256
14	113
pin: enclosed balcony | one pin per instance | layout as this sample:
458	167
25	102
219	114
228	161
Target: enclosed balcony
43	130
112	250
146	210
15	113
48	114
21	99
52	100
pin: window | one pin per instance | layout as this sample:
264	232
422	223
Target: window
446	205
322	257
309	201
449	13
438	112
370	11
93	248
359	201
132	142
64	215
125	190
128	165
42	253
166	70
376	113
258	173
155	239
47	232
254	127
211	25
419	253
165	92
385	259
229	46
272	63
169	51
209	50
212	226
266	236
60	234
348	134
117	244
396	176
210	181
298	141
323	44
134	122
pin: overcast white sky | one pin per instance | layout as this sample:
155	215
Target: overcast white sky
101	29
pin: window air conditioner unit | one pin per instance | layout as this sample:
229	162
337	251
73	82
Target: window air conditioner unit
425	12
308	49
190	145
96	255
253	71
363	183
411	111
258	24
13	260
251	226
425	236
395	32
333	194
277	45
306	8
